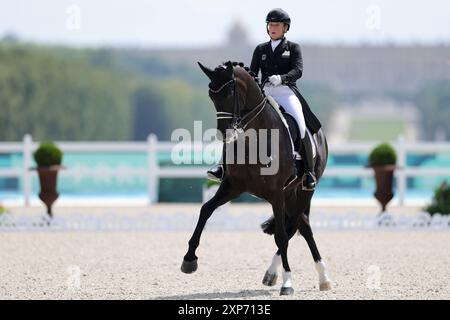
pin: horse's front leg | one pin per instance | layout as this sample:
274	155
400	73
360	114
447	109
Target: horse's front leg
224	194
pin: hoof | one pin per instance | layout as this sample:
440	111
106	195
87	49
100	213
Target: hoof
189	266
270	279
325	286
286	291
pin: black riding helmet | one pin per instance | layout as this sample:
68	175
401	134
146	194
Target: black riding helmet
278	15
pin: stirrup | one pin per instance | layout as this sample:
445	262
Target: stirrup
304	187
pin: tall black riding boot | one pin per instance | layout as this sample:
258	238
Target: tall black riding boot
217	172
308	179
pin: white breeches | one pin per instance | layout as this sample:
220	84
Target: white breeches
285	97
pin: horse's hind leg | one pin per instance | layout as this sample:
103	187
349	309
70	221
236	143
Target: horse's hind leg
222	196
271	275
292	215
306	232
282	240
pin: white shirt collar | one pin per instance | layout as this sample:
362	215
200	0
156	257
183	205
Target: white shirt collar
275	43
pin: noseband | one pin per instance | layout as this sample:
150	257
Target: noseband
238	123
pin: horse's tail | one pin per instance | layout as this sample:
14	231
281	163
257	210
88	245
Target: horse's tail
268	226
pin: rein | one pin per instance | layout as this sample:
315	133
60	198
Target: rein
238	123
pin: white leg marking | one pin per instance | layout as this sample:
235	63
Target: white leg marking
287	283
276	263
323	277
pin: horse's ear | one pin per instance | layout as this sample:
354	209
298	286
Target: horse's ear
209	73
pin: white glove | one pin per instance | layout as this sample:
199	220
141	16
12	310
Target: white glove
275	80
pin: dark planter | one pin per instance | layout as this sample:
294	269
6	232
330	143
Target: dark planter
48	181
384	177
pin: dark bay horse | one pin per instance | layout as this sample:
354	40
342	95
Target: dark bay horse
241	105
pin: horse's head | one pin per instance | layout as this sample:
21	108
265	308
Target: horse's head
230	85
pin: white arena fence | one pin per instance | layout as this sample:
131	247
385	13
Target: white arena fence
154	172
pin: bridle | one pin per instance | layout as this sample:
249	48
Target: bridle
238	122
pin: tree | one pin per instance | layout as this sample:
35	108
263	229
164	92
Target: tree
434	105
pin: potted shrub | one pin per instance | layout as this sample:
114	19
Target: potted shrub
383	159
48	158
441	200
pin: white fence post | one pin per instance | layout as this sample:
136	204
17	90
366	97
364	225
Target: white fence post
401	172
153	169
27	163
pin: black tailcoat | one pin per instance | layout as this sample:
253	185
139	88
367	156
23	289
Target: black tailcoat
287	62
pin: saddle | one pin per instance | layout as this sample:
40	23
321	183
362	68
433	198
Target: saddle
293	129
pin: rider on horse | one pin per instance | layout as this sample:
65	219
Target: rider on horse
280	62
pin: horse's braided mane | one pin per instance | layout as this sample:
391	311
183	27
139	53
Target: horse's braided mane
242	65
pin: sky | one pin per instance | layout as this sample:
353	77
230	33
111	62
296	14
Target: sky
198	23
